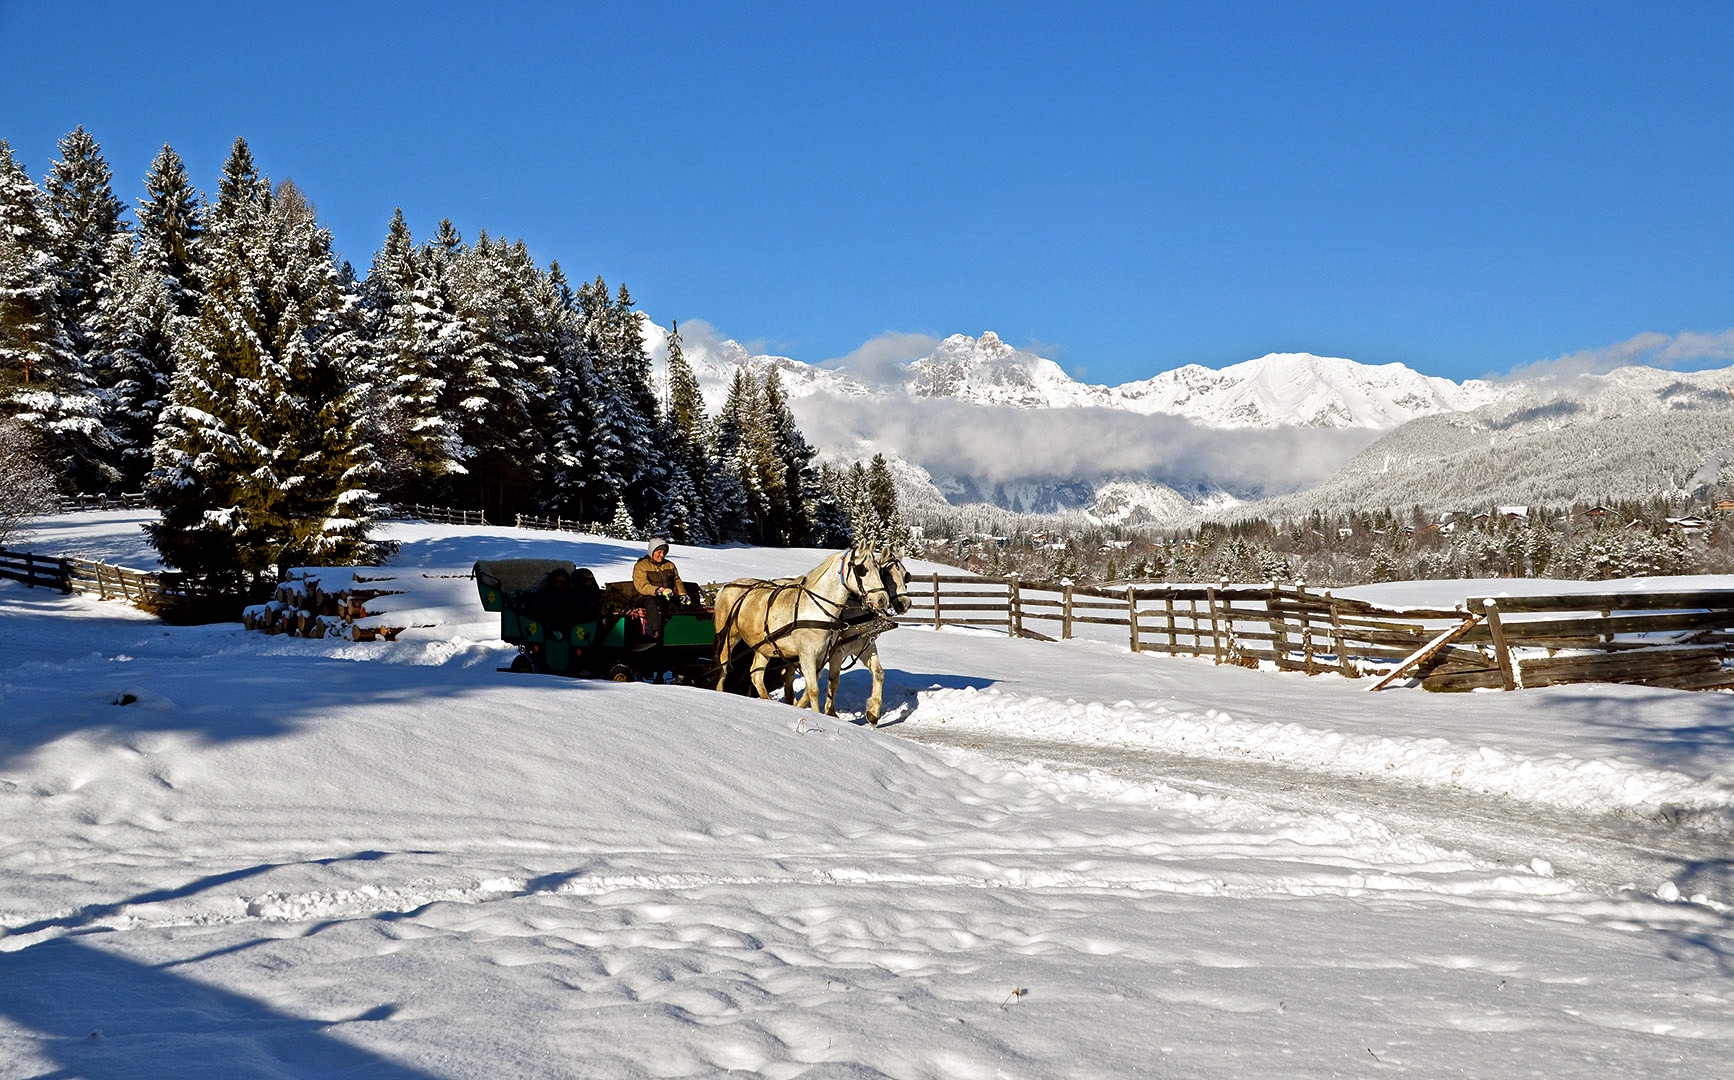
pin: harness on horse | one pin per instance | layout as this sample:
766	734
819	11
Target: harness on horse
779	587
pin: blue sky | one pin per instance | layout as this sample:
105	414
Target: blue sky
1464	188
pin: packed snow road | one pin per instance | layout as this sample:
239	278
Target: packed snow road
1680	850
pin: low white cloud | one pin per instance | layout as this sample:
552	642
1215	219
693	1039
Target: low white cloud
1000	444
883	361
1687	351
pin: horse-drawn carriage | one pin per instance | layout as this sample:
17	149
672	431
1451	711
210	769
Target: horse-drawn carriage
760	634
606	636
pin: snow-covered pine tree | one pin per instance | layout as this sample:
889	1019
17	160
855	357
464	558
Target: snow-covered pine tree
831	527
881	493
572	423
633	400
410	327
499	372
625	461
83	219
260	461
686	494
733	497
133	358
762	472
34	350
793	466
857	502
49	387
323	507
200	461
170	224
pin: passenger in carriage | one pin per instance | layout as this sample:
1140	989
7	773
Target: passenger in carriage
562	602
655	579
586	595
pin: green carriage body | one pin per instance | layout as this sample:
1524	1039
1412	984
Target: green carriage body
613	644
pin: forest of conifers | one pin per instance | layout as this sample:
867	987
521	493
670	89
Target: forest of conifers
217	354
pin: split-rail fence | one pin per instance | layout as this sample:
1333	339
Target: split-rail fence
1682	639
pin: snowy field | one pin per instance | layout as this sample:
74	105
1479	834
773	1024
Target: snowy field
295	858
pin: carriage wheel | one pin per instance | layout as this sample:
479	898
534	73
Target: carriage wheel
522	664
622	673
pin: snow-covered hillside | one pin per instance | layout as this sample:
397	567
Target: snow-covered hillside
226	854
1299	388
1633	433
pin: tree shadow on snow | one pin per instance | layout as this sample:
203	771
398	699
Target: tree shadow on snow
236	696
1667	729
98	1014
88	914
464	551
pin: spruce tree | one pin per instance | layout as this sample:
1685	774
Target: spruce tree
51	386
34	349
572	422
795	479
499	372
260	461
687	496
170	224
133	356
83	219
733	500
626	461
410	326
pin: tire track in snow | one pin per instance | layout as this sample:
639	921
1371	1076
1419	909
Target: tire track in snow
1603	853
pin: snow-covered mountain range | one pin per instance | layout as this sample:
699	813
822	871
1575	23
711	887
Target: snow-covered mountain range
1272	391
975	420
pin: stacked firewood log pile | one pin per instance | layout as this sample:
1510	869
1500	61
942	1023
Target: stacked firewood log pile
325	602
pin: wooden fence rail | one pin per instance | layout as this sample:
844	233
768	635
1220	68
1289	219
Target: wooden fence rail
71	574
35	570
68	504
1681	639
438	515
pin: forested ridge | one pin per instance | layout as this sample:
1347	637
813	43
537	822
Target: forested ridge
217	354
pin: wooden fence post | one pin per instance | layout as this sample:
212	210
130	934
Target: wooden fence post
1300	592
1278	626
1014	612
1227	620
936	619
1066	612
1501	652
1337	641
1215	633
1132	613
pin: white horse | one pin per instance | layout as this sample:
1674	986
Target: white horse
795	620
859	639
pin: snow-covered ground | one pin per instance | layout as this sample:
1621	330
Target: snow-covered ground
283	857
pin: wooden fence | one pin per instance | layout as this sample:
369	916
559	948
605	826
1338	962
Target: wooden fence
35	570
439	515
1675	639
67	504
71	574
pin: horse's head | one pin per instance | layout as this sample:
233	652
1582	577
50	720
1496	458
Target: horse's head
864	579
895	576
